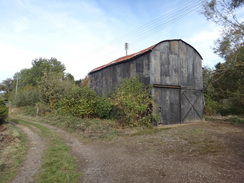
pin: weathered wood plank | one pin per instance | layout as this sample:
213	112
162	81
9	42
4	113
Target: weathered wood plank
171	62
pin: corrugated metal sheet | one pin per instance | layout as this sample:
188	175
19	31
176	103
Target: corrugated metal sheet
131	56
125	58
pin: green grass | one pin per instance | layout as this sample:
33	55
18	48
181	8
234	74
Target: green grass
88	129
58	162
231	120
235	120
94	129
13	155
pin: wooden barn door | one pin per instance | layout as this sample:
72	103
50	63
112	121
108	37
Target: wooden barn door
168	100
191	105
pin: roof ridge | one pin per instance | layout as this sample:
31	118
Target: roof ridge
127	57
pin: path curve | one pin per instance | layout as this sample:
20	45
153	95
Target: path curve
32	161
87	159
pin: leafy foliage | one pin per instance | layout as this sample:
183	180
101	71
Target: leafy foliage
211	106
7	86
132	103
83	102
26	96
223	13
227	81
3	111
52	87
40	67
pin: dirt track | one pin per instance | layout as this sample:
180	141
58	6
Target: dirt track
32	161
202	152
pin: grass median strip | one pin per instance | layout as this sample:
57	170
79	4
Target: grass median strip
58	162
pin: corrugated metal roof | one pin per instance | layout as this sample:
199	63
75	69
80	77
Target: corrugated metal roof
128	57
124	58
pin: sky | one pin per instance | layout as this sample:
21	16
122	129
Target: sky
85	34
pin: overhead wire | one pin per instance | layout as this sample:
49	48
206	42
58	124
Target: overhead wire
165	18
151	28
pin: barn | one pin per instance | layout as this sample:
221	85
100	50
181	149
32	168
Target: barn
172	67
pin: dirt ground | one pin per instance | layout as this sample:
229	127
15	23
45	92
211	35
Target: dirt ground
199	152
32	161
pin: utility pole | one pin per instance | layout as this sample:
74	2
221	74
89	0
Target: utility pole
126	48
17	83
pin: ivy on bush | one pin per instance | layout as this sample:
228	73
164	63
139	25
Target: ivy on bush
132	102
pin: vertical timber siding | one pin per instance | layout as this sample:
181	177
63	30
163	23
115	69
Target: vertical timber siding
169	63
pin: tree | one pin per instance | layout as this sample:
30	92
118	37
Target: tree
211	106
40	66
52	87
227	79
223	13
7	86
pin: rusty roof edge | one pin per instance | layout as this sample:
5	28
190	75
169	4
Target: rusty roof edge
133	55
141	52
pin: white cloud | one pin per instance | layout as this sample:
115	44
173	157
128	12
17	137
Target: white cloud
13	59
203	41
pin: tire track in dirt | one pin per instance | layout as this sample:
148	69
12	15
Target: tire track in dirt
32	162
87	159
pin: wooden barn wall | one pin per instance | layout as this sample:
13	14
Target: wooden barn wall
169	63
105	80
177	63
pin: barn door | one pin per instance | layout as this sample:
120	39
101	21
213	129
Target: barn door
191	105
168	100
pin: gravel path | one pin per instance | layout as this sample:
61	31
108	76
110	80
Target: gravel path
169	156
203	152
32	161
88	160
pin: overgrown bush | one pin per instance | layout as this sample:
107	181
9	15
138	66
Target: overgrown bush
27	96
83	102
3	111
42	109
211	107
133	103
52	88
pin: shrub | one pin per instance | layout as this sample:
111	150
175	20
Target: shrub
211	106
3	111
27	96
42	109
133	103
236	120
83	102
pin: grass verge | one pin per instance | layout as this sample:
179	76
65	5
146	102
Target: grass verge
92	129
229	119
58	162
13	150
